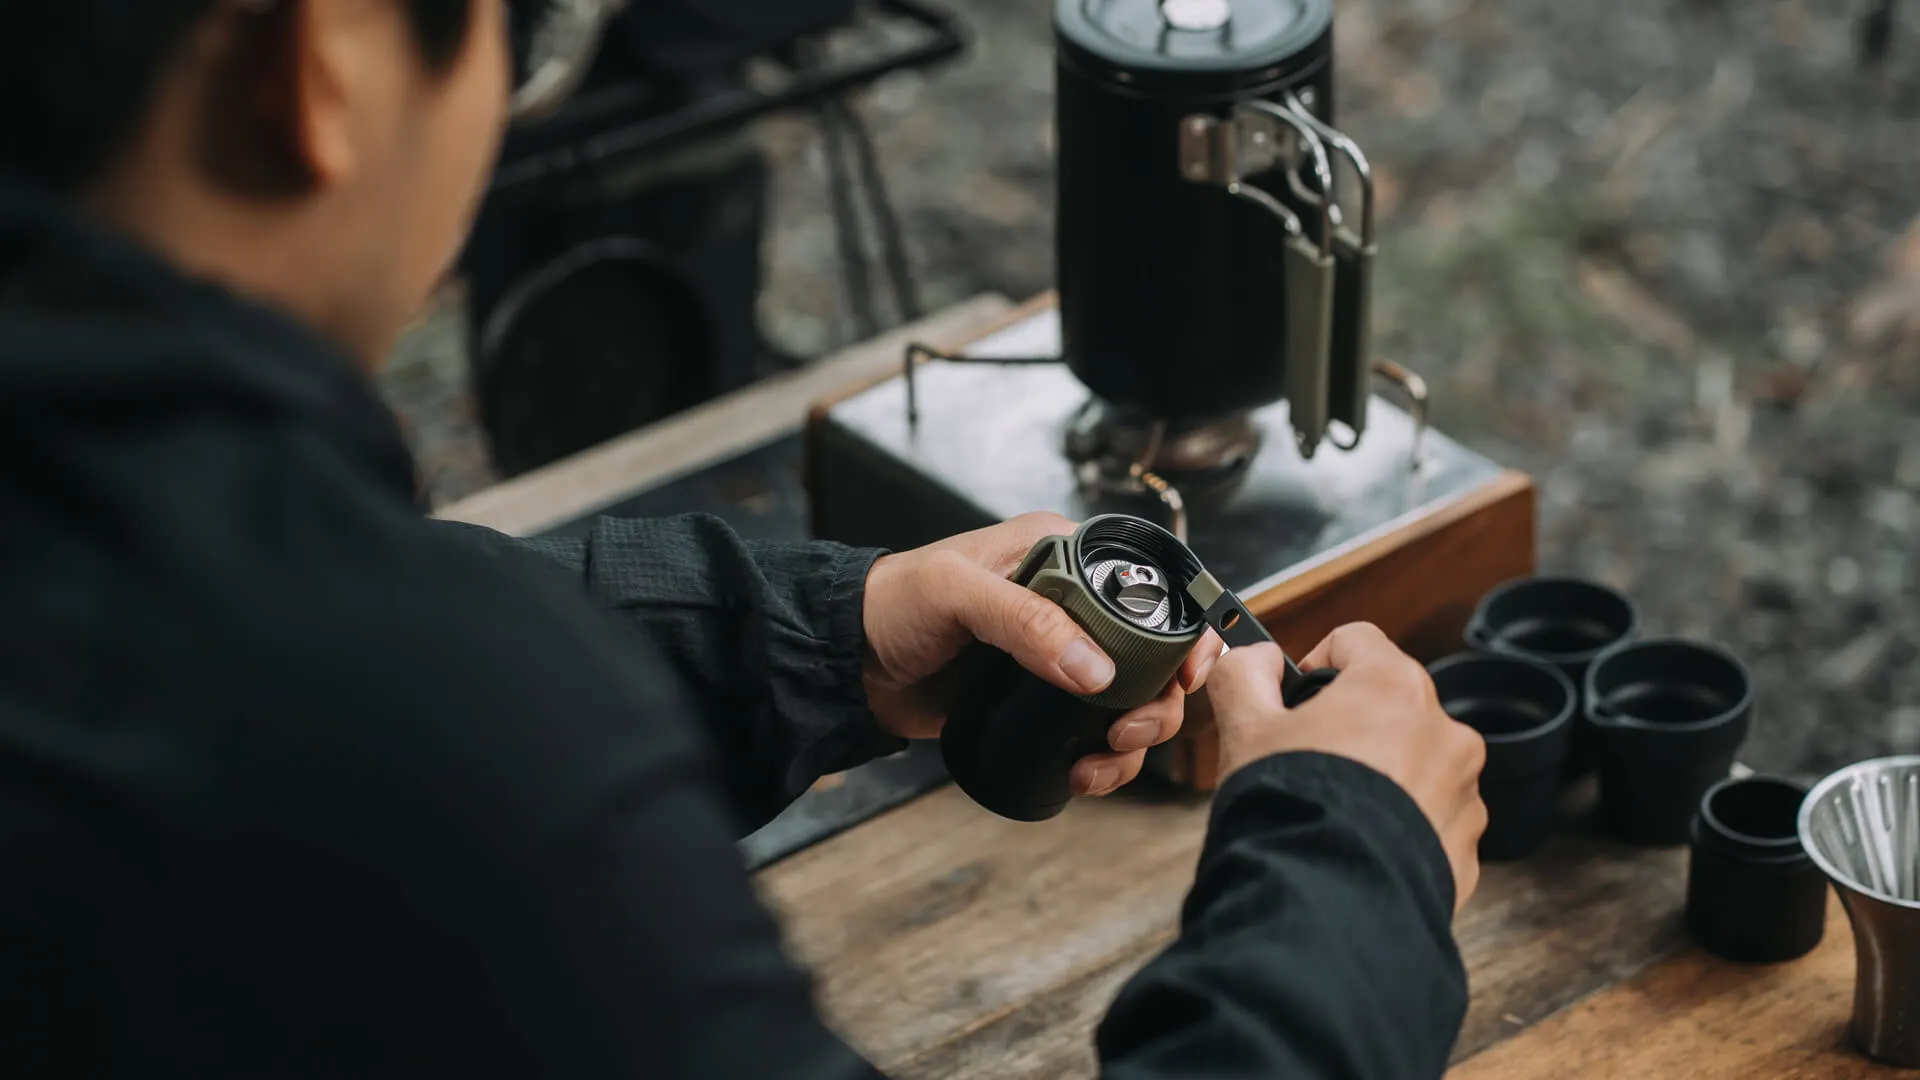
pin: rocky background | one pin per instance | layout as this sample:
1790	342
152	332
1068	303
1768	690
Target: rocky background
1661	253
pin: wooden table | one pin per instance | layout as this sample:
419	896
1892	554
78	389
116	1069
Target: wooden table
977	947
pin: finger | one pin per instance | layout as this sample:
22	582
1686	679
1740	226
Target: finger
1477	820
1150	724
1467	882
1466	858
1039	524
1035	631
1473	752
1247	680
1104	774
1199	663
1355	645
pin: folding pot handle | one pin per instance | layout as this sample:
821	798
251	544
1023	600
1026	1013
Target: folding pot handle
1351	362
1224	152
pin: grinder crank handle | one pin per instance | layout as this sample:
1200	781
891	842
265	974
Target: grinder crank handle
1237	626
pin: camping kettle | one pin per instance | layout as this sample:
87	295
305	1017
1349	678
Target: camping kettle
1206	263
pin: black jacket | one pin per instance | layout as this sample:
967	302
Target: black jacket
297	783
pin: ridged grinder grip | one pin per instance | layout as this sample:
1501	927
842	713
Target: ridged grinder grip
1144	660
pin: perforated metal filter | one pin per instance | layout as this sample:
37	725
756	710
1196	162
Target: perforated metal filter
1862	825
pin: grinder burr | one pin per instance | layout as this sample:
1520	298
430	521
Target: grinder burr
1012	739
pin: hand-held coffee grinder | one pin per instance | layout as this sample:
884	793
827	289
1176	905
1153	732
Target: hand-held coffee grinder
1143	597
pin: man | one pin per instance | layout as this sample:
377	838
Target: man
295	783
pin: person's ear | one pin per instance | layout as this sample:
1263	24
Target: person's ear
299	87
328	64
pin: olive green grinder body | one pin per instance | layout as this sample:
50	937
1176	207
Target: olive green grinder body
1012	738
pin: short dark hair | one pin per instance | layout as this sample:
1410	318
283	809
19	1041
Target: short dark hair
77	76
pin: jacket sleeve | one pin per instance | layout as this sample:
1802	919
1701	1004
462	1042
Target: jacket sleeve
492	842
1316	943
767	639
539	868
1315	947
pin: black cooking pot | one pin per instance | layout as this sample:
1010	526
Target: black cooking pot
1201	271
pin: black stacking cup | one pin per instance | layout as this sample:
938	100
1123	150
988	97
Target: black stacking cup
1668	717
1561	621
1525	711
1753	894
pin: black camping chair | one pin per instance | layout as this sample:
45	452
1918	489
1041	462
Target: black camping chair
613	276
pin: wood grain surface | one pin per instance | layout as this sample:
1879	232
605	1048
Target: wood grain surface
957	343
969	934
977	947
1699	1018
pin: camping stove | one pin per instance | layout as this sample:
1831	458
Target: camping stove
987	441
1209	362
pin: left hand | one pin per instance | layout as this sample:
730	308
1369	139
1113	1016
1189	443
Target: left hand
924	607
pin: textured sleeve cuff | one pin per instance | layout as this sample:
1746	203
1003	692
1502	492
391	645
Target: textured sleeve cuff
842	732
1362	797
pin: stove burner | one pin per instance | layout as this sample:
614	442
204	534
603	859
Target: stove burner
1117	451
1182	452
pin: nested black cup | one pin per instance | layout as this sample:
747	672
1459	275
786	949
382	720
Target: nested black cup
1561	621
1668	716
1525	712
1754	895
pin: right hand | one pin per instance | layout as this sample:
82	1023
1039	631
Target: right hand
1382	712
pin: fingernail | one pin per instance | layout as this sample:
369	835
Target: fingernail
1204	669
1131	735
1102	778
1087	666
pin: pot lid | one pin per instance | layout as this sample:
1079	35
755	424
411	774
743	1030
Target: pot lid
1193	35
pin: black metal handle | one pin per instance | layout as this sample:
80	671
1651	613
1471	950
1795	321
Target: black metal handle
1302	686
945	37
1237	626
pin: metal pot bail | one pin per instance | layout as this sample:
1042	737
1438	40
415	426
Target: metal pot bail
1225	153
1354	249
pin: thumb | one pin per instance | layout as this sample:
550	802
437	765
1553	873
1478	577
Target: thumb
1246	681
1035	631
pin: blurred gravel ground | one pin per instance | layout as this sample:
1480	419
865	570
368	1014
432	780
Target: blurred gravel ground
1661	253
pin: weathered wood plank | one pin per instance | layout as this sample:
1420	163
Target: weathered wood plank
1704	1019
1048	1039
959	918
979	947
1577	917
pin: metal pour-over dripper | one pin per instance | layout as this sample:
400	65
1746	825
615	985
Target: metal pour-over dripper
1861	826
